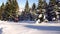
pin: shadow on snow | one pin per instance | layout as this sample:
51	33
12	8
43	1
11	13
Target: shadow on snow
47	28
1	31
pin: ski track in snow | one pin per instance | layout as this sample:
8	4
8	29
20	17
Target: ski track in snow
28	28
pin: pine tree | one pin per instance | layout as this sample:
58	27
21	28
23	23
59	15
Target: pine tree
15	8
34	8
40	10
51	11
1	10
11	9
27	6
7	10
26	12
44	10
58	9
33	11
55	9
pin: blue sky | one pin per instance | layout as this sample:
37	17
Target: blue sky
22	3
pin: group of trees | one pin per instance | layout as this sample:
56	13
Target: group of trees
28	13
53	11
9	11
49	11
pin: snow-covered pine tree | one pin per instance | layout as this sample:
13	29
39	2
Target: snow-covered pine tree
53	4
55	11
41	10
44	9
50	11
58	9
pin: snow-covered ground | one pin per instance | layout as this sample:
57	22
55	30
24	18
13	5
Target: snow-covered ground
29	28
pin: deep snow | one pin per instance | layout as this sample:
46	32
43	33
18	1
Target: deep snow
29	27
